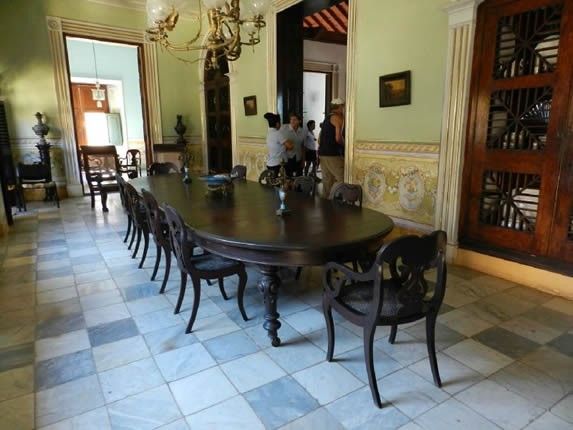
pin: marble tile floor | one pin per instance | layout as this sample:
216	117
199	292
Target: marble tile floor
86	342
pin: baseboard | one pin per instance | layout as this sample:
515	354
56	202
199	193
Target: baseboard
75	190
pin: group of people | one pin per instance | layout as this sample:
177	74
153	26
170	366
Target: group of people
301	151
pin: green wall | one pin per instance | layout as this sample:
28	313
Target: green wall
393	36
26	70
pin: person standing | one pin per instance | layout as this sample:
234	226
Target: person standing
295	134
331	148
310	148
277	143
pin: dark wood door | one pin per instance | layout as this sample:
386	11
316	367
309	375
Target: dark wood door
83	102
218	106
518	169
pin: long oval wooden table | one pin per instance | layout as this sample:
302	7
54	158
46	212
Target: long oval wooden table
243	225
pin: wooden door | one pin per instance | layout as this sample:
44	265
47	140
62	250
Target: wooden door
83	102
517	173
218	106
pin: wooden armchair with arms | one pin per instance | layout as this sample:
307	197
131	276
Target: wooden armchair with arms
100	164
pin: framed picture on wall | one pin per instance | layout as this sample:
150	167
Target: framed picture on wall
250	104
395	89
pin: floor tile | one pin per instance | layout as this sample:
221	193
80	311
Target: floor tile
445	336
56	295
533	384
110	355
357	411
560	304
530	329
564	409
231	346
18	413
268	402
306	321
147	410
96	287
185	361
102	299
210	327
79	396
64	368
180	424
549	421
453	414
327	382
505	408
17	335
478	356
405	350
66	343
231	414
16	356
252	371
296	355
16	382
409	392
319	419
148	304
96	419
112	332
215	388
464	322
563	344
170	338
59	325
106	314
157	320
506	342
551	318
552	362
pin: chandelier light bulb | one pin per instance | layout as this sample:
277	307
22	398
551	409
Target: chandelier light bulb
258	7
157	10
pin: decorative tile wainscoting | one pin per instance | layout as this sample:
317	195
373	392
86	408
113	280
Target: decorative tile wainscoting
399	179
252	152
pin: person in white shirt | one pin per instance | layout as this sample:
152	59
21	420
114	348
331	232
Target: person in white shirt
295	157
311	149
277	143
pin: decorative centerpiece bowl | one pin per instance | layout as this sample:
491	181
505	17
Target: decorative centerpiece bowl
218	184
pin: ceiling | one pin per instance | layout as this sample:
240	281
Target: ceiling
328	25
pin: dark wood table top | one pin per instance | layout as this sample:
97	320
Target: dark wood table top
244	225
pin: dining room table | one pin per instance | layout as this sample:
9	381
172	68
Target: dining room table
241	222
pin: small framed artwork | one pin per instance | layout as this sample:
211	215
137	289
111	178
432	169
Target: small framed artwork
250	104
395	89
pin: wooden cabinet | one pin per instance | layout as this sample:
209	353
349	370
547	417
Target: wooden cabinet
518	172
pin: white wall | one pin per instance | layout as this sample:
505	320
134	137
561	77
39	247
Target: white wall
329	53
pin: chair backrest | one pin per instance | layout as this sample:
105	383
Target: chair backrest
179	234
304	184
100	165
238	172
133	157
34	173
409	258
267	178
135	206
162	168
350	194
122	191
154	217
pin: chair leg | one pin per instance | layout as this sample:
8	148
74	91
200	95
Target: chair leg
393	331
57	197
167	269
241	292
137	243
327	312
92	195
222	289
128	230
431	343
196	300
157	260
104	201
369	359
145	248
182	287
298	272
133	233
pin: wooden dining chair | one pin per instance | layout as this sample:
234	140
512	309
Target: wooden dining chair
158	168
205	266
267	178
139	220
349	194
396	290
305	184
100	164
238	172
159	230
125	203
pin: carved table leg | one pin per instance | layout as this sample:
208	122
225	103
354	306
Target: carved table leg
269	285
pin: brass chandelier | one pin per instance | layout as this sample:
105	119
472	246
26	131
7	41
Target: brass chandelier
226	22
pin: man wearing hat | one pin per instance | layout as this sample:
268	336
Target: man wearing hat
331	149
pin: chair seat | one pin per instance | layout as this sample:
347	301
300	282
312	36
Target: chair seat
214	263
38	185
359	295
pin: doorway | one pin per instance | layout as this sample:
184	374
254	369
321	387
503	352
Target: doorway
218	109
107	102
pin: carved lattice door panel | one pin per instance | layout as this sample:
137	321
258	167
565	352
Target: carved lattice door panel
518	163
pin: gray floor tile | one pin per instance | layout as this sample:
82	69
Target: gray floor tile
16	356
169	338
111	332
551	318
268	402
231	346
64	368
60	325
563	344
506	342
